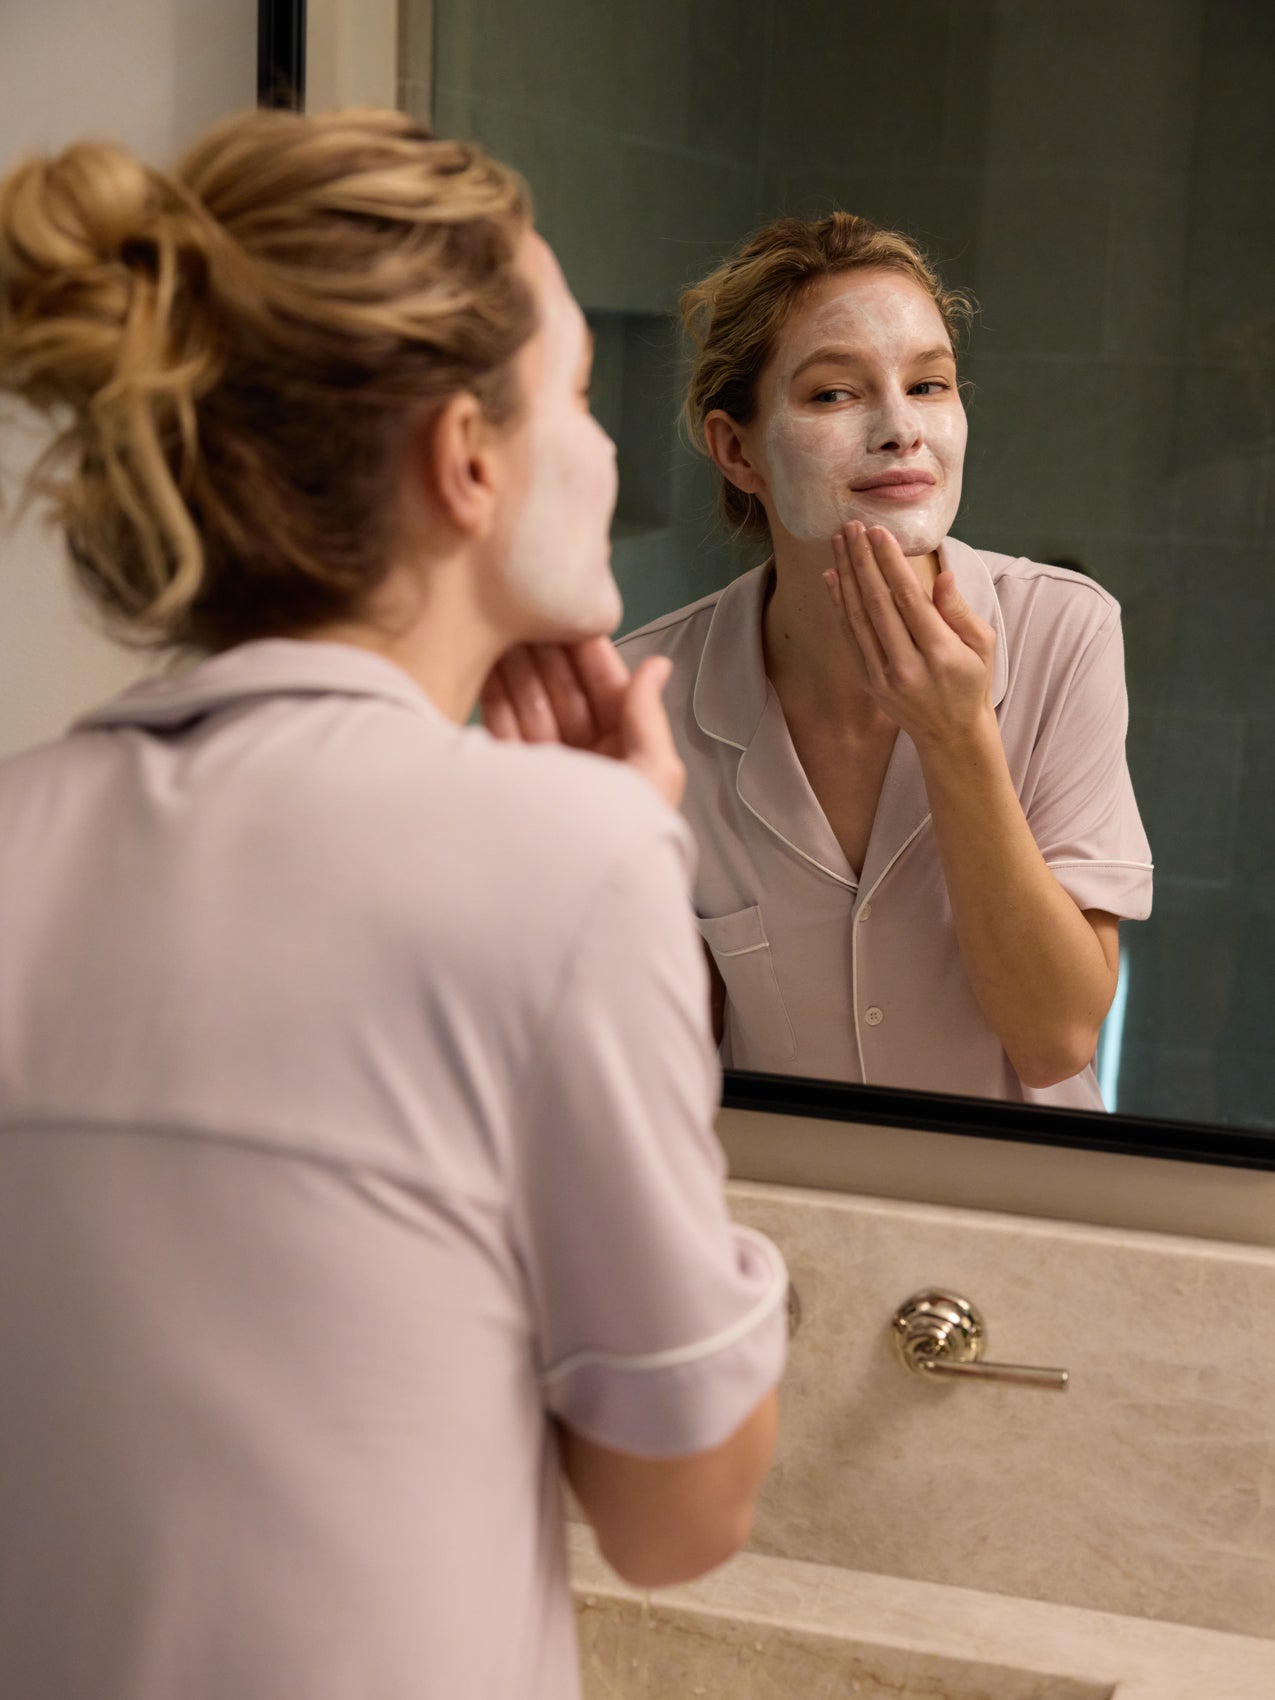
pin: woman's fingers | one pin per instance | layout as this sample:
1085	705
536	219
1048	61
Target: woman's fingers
974	633
527	694
850	597
497	711
887	596
604	678
646	739
567	697
583	695
914	607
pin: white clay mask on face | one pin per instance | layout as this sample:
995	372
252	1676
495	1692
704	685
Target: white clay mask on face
559	564
858	437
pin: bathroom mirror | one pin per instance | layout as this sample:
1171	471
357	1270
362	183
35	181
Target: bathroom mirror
1102	178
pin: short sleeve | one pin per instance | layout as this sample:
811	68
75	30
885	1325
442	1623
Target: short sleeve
660	1324
1080	803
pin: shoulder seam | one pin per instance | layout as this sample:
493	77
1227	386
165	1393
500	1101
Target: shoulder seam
679	617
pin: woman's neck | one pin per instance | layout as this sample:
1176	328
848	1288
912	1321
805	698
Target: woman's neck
810	657
433	626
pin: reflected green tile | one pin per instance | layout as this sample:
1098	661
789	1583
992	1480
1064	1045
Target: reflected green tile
1255	845
681	213
726	94
1067	445
839	93
1146	257
1230	261
628	67
1182	964
1169	1083
1224	449
1078	84
453	115
1042	256
537	147
1187	771
968	78
1222	645
940	210
1235	115
1245	1092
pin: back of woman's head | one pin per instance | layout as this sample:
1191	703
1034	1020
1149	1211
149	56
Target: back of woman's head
735	315
236	352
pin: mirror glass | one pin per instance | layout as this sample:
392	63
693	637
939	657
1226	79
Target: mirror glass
1102	179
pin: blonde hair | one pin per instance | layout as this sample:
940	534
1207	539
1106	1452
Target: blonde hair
235	353
734	317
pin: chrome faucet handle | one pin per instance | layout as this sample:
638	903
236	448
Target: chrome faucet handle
941	1334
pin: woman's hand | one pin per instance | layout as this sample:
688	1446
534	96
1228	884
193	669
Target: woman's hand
928	663
582	694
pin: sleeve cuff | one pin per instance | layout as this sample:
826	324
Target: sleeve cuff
688	1398
1121	888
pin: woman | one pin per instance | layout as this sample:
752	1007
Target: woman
905	757
356	1163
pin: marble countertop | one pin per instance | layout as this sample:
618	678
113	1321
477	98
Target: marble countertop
1128	1658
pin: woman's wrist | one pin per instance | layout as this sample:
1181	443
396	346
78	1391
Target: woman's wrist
956	748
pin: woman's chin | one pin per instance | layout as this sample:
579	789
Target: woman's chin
576	618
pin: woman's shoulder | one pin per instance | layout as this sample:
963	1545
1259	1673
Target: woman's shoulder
684	631
1050	589
564	819
676	634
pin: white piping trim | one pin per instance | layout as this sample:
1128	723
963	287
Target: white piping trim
854	993
795	848
854	941
743	749
1085	862
747	949
676	1355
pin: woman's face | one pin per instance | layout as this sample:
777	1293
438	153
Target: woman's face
557	565
860	416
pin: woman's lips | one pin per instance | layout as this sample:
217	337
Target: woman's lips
898	492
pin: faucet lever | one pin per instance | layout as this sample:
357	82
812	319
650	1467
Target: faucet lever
941	1334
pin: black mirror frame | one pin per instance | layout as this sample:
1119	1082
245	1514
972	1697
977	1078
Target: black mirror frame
992	1118
281	54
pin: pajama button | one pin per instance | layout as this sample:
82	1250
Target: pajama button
874	1016
865	911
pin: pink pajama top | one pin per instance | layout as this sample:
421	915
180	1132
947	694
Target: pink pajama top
356	1111
854	974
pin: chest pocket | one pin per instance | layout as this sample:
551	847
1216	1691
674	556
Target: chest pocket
741	951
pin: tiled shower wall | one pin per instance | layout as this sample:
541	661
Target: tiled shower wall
1101	173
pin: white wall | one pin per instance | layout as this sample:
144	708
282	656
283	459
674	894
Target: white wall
152	74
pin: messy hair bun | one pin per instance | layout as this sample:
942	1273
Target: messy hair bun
233	352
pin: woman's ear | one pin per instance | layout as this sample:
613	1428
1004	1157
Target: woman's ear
454	466
730	453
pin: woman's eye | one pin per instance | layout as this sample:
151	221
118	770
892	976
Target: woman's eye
929	386
830	394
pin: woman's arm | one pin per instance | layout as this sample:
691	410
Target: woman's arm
1044	971
665	1520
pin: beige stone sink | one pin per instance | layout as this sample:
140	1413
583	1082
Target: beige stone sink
635	1649
766	1628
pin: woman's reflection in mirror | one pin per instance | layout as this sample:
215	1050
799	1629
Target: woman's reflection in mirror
905	756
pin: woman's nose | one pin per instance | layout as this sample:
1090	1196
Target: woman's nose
897	425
